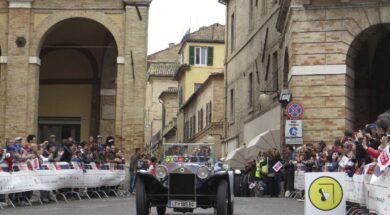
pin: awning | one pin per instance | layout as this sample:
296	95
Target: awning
263	142
236	158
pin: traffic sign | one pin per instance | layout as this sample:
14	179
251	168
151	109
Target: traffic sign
325	194
294	110
293	128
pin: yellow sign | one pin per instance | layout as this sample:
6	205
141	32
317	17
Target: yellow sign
325	193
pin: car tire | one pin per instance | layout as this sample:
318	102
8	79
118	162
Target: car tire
237	185
222	198
161	210
231	208
141	198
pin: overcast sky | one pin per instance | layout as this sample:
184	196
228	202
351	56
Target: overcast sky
170	19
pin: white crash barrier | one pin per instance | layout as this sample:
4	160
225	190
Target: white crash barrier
53	176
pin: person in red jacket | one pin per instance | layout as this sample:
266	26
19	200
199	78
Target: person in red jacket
373	152
152	165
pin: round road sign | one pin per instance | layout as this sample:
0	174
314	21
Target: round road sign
294	110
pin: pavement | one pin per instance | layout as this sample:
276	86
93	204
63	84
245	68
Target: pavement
126	206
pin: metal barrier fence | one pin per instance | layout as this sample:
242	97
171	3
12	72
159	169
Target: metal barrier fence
60	181
367	191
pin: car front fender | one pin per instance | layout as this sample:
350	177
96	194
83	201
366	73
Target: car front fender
225	175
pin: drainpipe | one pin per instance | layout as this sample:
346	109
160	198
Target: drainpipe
224	144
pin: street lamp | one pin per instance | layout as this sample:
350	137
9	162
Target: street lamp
211	139
265	99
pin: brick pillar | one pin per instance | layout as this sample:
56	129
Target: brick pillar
3	79
32	96
131	78
17	120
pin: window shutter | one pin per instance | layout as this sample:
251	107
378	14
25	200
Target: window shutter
211	113
207	114
192	55
210	56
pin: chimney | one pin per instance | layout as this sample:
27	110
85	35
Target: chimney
171	45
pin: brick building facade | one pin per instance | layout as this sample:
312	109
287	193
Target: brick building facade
73	68
329	54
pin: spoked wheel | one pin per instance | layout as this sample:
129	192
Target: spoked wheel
141	198
161	210
222	199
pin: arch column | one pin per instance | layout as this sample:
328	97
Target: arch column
3	79
131	78
18	77
33	95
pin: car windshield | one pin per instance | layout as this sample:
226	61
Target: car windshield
189	153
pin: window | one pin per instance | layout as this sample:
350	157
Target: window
286	66
267	68
250	90
193	126
190	128
201	56
251	7
265	45
232	33
180	96
232	104
275	73
264	6
197	86
181	58
208	113
186	131
163	112
200	120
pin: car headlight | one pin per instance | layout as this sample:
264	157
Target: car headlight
225	166
161	172
203	172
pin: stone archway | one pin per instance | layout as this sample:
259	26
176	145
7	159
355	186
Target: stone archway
44	27
74	56
368	66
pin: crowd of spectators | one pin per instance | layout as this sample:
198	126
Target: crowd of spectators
348	154
67	150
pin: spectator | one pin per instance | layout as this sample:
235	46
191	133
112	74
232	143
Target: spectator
67	154
273	177
100	144
152	166
289	169
109	155
77	157
87	156
3	153
120	158
133	169
91	140
110	141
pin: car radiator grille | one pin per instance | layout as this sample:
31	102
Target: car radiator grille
182	186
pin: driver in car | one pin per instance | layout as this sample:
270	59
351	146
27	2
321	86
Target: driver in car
204	154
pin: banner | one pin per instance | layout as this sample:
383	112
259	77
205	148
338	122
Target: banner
53	176
378	191
299	180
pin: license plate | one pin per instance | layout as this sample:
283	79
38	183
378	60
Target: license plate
181	204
